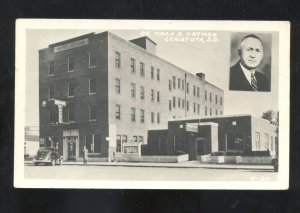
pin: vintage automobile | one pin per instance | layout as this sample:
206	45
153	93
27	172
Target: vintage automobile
48	155
274	163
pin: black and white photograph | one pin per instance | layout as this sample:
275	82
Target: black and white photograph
251	62
152	104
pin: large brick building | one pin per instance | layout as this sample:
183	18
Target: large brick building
97	85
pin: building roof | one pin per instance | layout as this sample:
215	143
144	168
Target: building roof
218	116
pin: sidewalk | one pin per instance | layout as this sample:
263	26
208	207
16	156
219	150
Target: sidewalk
186	164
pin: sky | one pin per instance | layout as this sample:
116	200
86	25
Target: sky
196	54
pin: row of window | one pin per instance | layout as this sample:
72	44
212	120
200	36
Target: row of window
71	63
181	104
133	67
268	142
181	85
216	98
72	89
133	115
142	91
122	139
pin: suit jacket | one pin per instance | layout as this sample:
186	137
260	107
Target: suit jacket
239	82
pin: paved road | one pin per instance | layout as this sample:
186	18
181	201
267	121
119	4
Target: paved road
97	172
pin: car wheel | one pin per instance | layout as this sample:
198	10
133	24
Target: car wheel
52	162
61	162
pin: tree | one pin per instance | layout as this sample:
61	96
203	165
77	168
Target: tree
273	117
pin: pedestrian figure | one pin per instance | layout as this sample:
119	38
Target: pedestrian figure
85	155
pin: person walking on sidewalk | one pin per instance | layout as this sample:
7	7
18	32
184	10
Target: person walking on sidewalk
85	155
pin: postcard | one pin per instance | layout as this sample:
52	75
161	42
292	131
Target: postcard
144	104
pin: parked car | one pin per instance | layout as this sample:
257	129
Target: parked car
48	155
274	163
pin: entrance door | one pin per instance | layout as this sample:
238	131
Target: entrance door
71	144
200	146
71	150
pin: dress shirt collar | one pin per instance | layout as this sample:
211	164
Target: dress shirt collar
247	73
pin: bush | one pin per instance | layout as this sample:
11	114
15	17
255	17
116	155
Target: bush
226	153
257	153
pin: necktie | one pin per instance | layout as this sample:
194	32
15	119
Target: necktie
253	82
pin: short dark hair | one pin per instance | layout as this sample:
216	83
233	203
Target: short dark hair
252	36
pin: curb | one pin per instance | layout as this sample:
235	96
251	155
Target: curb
207	166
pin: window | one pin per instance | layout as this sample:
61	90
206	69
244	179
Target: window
257	140
210	97
187	105
174	102
92	114
118	111
93	143
158	74
221	101
216	99
179	83
221	112
194	107
71	89
170	85
182	103
135	138
141	139
51	68
187	87
198	109
152	117
142	69
142	116
216	112
132	114
132	65
53	116
142	93
179	102
158	117
92	59
198	92
118	86
51	92
272	144
182	85
92	85
267	145
152	95
210	111
71	114
71	64
170	105
205	110
119	144
174	82
158	96
124	138
118	59
194	90
152	72
205	95
133	90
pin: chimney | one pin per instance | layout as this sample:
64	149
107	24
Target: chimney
145	43
201	76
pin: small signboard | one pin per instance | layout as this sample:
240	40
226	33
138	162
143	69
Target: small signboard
191	127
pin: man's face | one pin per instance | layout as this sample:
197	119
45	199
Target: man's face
251	53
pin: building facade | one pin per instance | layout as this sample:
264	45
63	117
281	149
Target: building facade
101	91
201	136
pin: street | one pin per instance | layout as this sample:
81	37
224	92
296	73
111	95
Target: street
102	172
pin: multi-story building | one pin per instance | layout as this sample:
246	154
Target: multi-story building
99	89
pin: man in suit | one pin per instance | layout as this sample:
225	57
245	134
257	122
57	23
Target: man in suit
244	75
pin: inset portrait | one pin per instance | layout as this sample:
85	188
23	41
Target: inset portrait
250	62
